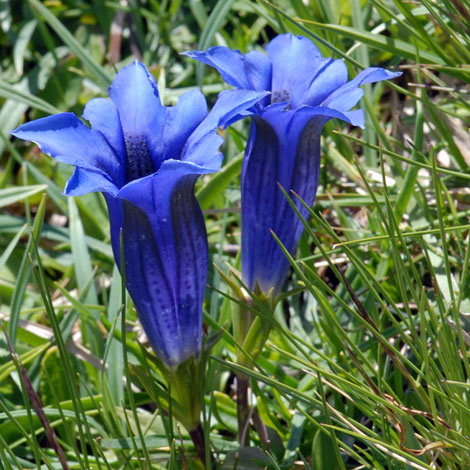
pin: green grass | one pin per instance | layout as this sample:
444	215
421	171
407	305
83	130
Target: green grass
367	363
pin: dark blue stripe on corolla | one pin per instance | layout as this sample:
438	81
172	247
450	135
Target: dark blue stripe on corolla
259	202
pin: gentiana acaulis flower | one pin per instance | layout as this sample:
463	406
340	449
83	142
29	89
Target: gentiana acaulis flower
283	148
145	158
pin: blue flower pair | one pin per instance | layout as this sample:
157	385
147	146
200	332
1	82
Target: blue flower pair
145	158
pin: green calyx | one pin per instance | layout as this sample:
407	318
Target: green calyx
185	390
251	325
251	329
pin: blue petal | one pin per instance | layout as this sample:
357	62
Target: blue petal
283	148
305	162
251	71
333	75
115	211
292	122
103	115
347	96
152	290
229	63
87	181
345	100
135	93
260	202
356	117
259	71
166	254
372	75
295	62
68	140
139	192
204	142
181	121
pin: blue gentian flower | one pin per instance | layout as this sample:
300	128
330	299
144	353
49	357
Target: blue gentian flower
307	90
145	158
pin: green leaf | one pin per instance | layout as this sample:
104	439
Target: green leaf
81	256
247	458
217	184
116	370
53	191
323	452
10	196
216	20
11	246
24	273
81	52
14	92
21	43
84	276
25	358
198	11
387	44
151	442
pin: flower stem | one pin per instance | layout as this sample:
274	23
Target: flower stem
251	332
199	440
262	430
243	409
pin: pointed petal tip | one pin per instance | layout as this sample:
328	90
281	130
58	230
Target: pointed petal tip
49	130
130	79
84	182
391	74
230	106
374	74
190	54
202	56
210	51
16	132
229	63
238	104
45	124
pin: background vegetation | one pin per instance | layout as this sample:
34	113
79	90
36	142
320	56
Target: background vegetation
367	366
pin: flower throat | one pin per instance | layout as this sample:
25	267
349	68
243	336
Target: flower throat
282	96
139	161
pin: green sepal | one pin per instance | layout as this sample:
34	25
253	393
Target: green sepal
250	329
185	390
210	341
254	341
232	283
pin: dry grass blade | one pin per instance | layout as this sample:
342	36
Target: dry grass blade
36	402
